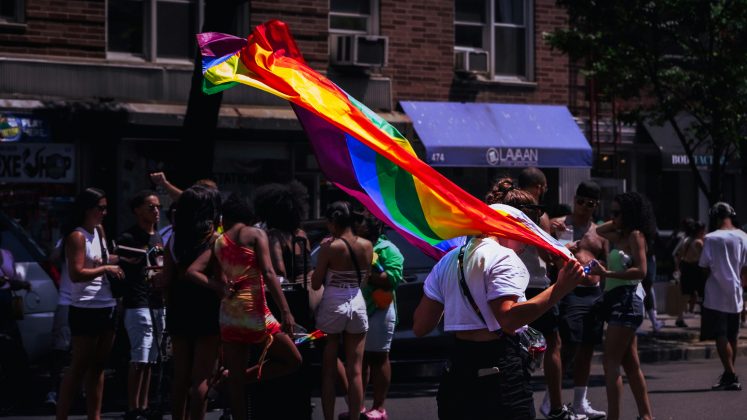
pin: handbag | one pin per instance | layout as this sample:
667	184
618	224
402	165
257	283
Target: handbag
531	341
117	286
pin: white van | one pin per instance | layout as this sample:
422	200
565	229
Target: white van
40	303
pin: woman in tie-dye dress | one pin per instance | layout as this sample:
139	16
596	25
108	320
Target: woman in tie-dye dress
241	258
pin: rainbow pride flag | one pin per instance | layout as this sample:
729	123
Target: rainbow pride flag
358	150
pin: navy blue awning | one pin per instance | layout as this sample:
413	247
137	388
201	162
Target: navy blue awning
499	135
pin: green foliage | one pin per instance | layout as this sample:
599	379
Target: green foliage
677	56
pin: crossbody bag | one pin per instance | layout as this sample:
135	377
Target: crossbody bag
532	342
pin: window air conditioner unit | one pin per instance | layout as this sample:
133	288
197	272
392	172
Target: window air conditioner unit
471	61
359	50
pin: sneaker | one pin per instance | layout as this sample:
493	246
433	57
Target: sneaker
346	415
51	399
680	323
136	414
586	409
565	413
379	414
727	382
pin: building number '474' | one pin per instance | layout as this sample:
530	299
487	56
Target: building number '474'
438	157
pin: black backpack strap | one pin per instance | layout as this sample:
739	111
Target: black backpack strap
465	288
355	262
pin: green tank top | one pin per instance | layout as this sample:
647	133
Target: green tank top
615	263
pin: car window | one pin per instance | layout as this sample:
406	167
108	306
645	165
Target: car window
19	242
415	259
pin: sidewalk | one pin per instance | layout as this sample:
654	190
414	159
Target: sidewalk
673	343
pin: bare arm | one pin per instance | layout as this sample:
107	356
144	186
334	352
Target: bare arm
608	230
262	249
75	250
512	315
199	273
427	316
637	271
159	178
276	251
317	279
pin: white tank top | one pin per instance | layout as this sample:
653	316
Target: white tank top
536	266
95	293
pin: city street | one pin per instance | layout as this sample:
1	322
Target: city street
678	390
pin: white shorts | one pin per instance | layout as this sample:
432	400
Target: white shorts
142	335
342	310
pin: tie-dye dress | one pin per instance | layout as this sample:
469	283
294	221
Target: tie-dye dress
244	316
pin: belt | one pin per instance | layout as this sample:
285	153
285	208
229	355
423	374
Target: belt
343	285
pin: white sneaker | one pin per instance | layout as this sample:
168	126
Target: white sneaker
51	398
586	409
545	406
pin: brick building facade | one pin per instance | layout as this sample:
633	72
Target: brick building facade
66	66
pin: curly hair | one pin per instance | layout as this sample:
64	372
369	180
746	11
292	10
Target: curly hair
637	214
498	190
237	209
282	206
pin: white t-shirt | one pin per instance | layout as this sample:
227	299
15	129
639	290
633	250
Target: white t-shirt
96	293
491	272
724	253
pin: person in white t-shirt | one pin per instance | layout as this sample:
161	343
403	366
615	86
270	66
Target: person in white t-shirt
724	255
488	374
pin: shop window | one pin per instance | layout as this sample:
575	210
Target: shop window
12	11
502	30
153	30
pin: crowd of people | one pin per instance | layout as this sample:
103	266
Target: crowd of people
203	280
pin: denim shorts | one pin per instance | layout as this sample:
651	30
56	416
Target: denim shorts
624	306
140	331
381	330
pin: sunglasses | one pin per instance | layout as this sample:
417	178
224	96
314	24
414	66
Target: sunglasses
155	206
102	208
532	207
588	203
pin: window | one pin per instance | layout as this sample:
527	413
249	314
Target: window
354	16
11	11
153	29
503	28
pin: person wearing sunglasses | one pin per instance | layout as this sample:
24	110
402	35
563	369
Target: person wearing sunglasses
580	328
503	192
144	316
630	233
92	315
480	291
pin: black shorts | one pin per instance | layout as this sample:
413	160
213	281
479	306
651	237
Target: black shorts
692	279
715	324
466	392
579	324
92	322
547	324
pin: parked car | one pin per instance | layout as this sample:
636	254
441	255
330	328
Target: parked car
32	265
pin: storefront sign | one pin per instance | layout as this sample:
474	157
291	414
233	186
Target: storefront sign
512	156
22	128
37	163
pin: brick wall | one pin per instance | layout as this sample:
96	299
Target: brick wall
308	22
421	37
53	27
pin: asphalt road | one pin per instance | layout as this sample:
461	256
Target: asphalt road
678	390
